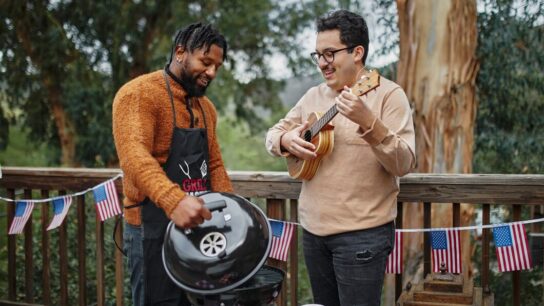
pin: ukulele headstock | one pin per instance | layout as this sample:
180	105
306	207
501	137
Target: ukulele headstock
368	81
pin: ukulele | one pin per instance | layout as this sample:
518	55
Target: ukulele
321	133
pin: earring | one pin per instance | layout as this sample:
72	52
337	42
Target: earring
178	60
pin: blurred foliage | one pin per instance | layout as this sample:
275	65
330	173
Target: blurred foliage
57	52
510	92
510	113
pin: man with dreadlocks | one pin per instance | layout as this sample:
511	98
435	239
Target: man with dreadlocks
165	136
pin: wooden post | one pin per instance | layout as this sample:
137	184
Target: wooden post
81	253
29	256
456	214
293	259
46	252
516	275
275	209
12	259
485	250
398	277
426	239
119	284
63	260
100	275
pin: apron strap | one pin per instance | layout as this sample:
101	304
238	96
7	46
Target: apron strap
189	109
203	115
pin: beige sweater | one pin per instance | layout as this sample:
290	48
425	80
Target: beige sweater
356	186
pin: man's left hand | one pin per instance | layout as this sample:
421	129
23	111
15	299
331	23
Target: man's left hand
353	108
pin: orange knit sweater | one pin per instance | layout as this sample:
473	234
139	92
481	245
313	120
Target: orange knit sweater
142	130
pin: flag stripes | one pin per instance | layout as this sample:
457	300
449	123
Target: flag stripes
282	232
394	260
512	248
23	211
446	248
60	208
107	202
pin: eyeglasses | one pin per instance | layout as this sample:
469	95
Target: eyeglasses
327	55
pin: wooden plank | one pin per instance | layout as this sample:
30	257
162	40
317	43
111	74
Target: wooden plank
100	274
12	245
51	178
29	255
425	187
63	260
293	259
46	252
81	253
11	303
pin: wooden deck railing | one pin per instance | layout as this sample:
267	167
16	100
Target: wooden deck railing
46	268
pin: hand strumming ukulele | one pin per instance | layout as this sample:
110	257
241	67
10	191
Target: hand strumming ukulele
321	133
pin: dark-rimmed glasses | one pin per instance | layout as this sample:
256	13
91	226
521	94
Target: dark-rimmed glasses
327	55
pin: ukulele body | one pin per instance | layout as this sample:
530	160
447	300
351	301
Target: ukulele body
323	142
323	138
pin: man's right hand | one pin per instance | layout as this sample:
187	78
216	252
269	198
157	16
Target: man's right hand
190	212
296	145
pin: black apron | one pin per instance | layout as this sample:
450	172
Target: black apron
187	165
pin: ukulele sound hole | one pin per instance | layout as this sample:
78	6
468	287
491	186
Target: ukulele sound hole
308	136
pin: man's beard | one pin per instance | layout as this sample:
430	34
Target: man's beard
190	83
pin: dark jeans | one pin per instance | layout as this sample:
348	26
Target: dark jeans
133	247
348	268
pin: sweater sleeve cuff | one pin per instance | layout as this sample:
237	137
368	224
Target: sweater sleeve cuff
169	200
273	144
376	134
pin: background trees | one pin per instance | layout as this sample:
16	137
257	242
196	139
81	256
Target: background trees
62	62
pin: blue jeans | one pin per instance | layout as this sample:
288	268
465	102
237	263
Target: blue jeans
348	268
133	247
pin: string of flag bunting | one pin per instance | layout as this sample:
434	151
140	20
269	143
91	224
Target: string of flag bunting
511	245
105	197
107	206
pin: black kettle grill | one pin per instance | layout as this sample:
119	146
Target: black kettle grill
221	262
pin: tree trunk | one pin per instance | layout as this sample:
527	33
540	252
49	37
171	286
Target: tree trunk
65	126
437	69
51	82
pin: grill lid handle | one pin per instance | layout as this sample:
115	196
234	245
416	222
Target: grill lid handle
216	205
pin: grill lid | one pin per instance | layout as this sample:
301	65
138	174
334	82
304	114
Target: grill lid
221	253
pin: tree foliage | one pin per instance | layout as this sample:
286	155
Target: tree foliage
61	62
510	92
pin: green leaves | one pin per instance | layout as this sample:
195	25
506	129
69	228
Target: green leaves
72	56
510	121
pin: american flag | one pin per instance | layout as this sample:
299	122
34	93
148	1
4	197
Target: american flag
23	211
60	208
282	232
394	260
446	247
512	247
107	202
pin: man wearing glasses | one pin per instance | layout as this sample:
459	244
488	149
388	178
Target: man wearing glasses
347	209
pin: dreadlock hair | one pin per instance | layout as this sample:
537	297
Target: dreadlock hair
352	27
199	35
